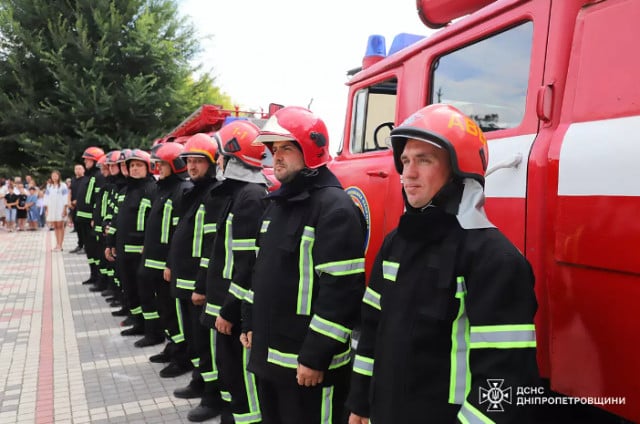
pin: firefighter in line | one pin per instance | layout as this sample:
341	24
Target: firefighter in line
158	307
115	182
118	167
86	199
129	229
450	303
228	275
307	281
183	265
98	215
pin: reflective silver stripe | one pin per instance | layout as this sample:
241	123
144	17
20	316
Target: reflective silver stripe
103	205
290	360
390	270
198	228
136	311
89	193
330	329
150	315
339	268
372	298
153	264
179	338
212	309
265	226
341	359
121	198
226	396
363	365
175	220
286	360
468	414
305	267
111	230
185	284
326	412
142	214
251	391
195	362
210	228
98	228
227	271
503	336
204	262
237	291
212	375
244	244
132	248
84	214
248	296
459	374
167	211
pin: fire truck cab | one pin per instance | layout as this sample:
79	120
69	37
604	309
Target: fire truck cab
554	85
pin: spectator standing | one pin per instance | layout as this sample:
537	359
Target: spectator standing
21	214
32	211
56	197
11	203
78	181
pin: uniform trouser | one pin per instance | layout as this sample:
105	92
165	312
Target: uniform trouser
129	263
76	225
208	369
190	336
289	403
231	359
104	266
91	248
148	280
84	230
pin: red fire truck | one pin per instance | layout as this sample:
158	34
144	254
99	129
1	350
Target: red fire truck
555	86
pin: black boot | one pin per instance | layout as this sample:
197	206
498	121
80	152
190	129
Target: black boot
175	369
202	413
193	390
138	326
122	312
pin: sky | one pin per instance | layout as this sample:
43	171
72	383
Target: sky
293	52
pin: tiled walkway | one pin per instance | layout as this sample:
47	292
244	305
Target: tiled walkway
62	358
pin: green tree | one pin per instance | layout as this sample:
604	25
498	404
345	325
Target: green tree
110	73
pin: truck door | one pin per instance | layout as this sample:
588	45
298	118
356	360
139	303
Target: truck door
491	70
364	165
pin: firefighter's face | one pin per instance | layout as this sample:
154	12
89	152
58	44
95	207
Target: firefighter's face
88	163
114	168
137	169
197	167
426	169
288	160
164	169
123	169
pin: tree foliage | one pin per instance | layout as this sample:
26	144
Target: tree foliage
109	73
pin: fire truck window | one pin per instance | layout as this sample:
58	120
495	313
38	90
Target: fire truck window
372	107
487	80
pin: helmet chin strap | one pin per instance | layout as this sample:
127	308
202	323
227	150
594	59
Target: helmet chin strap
306	172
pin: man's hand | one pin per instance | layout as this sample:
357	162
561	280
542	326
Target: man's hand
110	254
357	419
246	339
198	299
309	377
223	326
166	274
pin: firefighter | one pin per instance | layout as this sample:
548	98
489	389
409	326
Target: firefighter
447	318
308	279
98	215
130	224
158	307
239	206
183	264
87	198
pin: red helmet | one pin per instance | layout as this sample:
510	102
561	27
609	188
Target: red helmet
124	155
102	161
236	139
170	153
201	145
141	155
93	153
446	127
302	126
112	157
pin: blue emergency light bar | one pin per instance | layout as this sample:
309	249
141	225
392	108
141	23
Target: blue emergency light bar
403	40
376	46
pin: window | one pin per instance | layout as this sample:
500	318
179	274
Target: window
374	112
487	80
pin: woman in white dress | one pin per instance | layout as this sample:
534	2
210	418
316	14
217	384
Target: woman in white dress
55	202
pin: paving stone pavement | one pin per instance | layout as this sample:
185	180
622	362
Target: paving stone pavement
62	358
